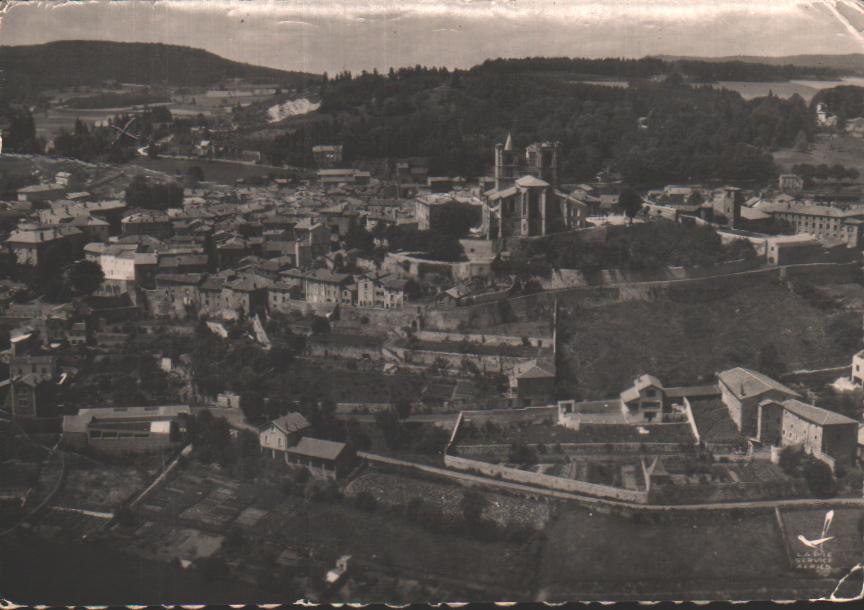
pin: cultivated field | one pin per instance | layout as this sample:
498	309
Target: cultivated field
101	488
383	542
588	555
685	339
397	490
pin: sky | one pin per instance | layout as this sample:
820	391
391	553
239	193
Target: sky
334	35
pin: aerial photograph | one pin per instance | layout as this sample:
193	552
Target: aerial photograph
431	301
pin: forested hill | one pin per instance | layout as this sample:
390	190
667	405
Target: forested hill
31	69
691	69
456	117
845	64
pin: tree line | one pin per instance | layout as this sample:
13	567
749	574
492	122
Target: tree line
651	132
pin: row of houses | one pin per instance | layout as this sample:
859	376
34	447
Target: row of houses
250	290
764	411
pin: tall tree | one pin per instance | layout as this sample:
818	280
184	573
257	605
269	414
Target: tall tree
631	202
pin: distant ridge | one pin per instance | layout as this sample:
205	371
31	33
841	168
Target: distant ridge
34	68
850	64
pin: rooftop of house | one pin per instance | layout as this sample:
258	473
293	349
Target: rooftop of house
328	277
693	391
41	188
744	383
37	236
495	194
291	422
336	172
106	413
753	214
179	278
146	216
539	368
808	208
641	383
214	282
318	448
531	182
816	415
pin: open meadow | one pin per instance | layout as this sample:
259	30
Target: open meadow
830	149
598	556
687	338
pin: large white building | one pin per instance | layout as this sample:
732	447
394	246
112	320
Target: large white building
825	222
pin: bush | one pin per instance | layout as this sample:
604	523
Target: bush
234	539
366	501
472	505
820	480
212	569
321	491
520	453
790	460
126	517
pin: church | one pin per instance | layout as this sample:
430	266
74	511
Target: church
526	200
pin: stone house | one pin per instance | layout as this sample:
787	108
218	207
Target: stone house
533	381
324	286
824	434
283	432
381	290
30	246
742	390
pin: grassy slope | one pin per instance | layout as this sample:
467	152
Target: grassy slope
843	149
584	548
687	342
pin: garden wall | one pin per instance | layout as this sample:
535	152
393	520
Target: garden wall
485	363
542	480
625	451
499	416
539	306
376	316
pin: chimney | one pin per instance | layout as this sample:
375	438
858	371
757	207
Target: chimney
742	390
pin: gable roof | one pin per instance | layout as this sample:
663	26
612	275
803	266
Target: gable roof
817	415
531	181
539	368
291	422
744	383
642	382
318	448
494	194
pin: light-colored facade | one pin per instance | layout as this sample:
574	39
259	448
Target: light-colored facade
644	400
824	222
824	434
323	286
858	368
381	291
284	432
742	390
